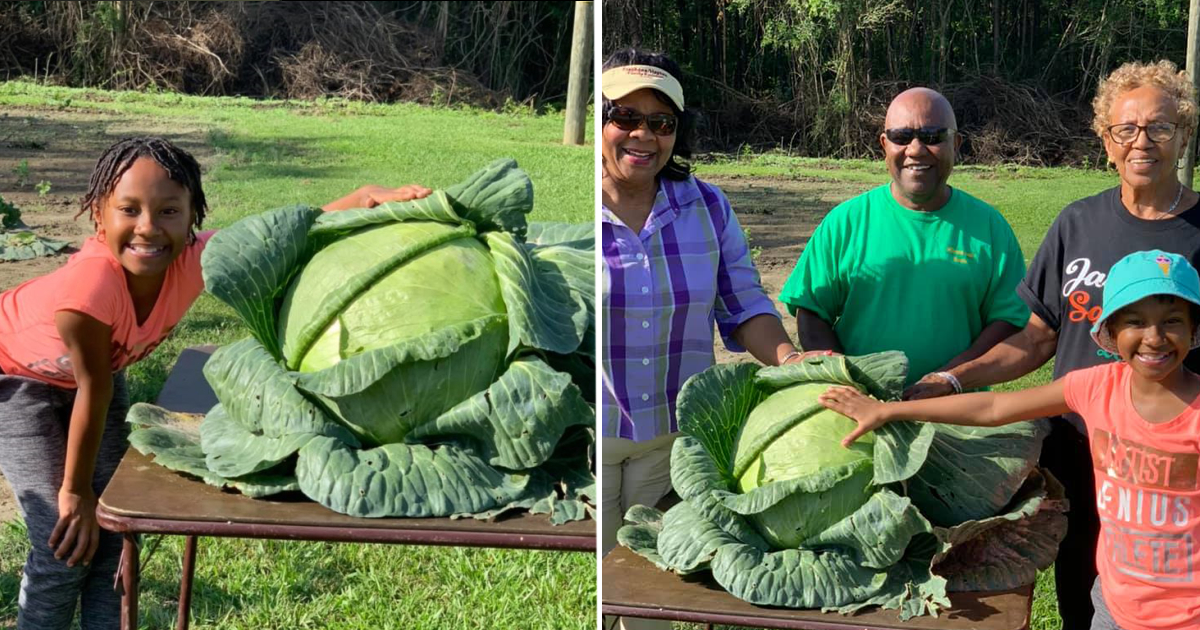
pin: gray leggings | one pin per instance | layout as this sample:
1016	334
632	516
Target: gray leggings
34	417
1101	619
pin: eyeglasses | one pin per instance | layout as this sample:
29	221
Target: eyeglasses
1126	133
627	119
903	136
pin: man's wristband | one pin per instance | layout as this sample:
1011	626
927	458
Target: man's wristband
952	379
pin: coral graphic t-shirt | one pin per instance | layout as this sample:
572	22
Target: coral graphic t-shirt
93	283
1148	499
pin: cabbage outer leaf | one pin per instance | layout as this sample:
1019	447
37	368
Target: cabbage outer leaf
263	419
496	198
795	578
880	530
640	534
577	235
179	449
1007	550
688	542
543	311
712	407
696	479
519	419
973	472
412	480
248	266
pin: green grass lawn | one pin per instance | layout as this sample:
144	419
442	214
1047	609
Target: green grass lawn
262	155
1029	198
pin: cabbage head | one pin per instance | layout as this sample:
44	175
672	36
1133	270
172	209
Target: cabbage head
422	358
782	515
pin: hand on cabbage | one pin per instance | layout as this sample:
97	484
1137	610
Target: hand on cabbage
867	412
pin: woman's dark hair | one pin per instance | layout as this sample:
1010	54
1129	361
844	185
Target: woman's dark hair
180	166
677	167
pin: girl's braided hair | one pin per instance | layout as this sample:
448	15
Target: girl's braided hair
180	166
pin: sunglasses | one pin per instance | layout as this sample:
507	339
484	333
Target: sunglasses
627	119
927	135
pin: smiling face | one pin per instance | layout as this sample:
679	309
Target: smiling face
633	159
1154	334
145	220
919	171
1143	163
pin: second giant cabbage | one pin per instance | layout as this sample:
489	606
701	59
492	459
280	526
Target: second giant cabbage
782	515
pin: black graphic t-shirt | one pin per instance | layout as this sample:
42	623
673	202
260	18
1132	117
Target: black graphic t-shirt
1065	281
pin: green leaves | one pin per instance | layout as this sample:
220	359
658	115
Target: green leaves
402	358
519	419
401	479
782	515
249	264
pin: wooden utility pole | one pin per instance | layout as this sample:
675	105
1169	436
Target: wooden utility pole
1193	60
581	69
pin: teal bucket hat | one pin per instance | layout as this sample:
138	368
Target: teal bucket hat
1140	275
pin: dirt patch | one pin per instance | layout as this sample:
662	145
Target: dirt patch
779	216
60	148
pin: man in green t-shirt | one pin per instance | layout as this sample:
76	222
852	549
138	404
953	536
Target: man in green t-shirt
913	265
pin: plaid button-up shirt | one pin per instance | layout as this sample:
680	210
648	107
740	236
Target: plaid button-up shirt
663	289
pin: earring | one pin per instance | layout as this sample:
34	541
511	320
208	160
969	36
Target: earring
101	236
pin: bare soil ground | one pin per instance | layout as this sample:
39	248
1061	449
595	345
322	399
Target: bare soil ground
779	215
61	147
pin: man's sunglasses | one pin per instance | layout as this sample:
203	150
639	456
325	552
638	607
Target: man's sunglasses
627	119
927	135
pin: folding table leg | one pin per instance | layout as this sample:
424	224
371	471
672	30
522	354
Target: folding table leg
129	582
185	585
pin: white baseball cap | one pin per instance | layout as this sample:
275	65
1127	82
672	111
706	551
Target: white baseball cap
624	80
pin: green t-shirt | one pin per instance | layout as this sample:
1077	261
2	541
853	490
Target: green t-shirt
926	283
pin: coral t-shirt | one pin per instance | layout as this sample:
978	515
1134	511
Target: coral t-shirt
93	283
1148	499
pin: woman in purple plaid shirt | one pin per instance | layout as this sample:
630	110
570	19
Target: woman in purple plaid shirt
675	262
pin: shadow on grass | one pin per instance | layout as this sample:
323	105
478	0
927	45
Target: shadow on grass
245	158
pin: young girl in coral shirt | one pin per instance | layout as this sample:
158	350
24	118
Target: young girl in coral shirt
1143	420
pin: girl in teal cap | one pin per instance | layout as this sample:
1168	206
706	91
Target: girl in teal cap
1143	420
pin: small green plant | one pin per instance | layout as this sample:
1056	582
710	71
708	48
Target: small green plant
10	215
21	170
42	188
755	250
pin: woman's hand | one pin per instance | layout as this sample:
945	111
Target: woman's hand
371	196
76	535
866	411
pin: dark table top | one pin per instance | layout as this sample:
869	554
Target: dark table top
145	497
633	586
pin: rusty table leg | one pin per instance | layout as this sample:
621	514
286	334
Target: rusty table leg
185	585
129	582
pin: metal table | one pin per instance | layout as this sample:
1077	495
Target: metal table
145	498
634	587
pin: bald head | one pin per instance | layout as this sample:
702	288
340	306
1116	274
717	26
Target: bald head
920	167
920	107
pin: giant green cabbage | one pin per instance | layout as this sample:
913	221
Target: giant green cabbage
782	515
422	358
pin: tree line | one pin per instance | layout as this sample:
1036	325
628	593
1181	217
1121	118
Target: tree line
814	77
483	53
